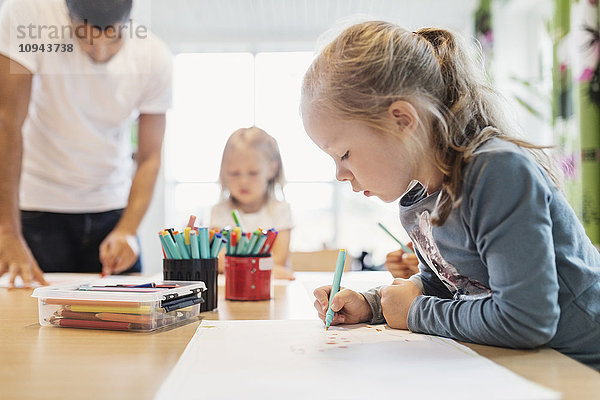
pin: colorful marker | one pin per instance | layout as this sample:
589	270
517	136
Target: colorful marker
181	245
259	243
242	244
335	286
204	243
166	251
188	244
171	245
194	245
271	236
404	247
253	241
236	218
216	245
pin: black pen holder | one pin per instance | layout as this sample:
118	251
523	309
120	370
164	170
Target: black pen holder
204	270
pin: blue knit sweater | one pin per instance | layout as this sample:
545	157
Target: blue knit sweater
511	266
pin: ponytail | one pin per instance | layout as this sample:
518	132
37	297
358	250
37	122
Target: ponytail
466	122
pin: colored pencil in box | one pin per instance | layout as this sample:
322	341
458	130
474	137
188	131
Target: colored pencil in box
79	302
110	309
133	318
80	323
76	315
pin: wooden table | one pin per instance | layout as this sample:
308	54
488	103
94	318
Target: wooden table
49	363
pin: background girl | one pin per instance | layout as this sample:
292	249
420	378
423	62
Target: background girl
504	260
251	173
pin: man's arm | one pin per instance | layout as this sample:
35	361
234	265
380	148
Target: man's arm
15	91
119	250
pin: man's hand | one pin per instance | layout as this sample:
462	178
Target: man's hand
16	259
401	264
118	252
396	300
349	306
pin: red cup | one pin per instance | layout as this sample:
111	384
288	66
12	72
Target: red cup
248	278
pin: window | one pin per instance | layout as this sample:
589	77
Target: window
217	93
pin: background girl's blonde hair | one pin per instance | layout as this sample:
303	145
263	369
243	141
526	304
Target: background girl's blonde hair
266	145
373	64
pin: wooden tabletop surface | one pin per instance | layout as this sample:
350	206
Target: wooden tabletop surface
46	362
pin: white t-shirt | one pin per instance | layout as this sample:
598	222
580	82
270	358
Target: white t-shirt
77	136
275	214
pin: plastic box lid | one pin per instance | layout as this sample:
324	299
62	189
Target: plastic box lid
123	290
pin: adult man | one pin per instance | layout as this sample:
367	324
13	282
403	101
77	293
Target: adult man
66	111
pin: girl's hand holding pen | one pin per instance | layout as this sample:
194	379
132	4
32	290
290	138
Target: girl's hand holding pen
402	264
396	300
349	306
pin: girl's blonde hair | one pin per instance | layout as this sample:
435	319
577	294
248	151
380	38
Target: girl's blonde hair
373	64
266	145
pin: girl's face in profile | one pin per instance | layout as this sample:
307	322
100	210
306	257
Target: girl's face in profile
247	175
374	163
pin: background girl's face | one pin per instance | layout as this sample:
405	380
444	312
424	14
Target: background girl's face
374	163
247	175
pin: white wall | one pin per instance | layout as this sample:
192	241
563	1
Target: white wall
290	25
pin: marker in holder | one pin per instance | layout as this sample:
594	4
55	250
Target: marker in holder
248	277
204	270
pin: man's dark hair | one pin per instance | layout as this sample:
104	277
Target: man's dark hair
100	13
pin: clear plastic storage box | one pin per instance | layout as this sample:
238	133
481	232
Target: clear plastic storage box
119	305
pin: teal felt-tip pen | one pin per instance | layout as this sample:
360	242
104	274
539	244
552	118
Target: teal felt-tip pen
335	286
236	218
180	241
404	247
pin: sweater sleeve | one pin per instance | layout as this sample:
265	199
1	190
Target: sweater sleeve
374	300
425	280
506	200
